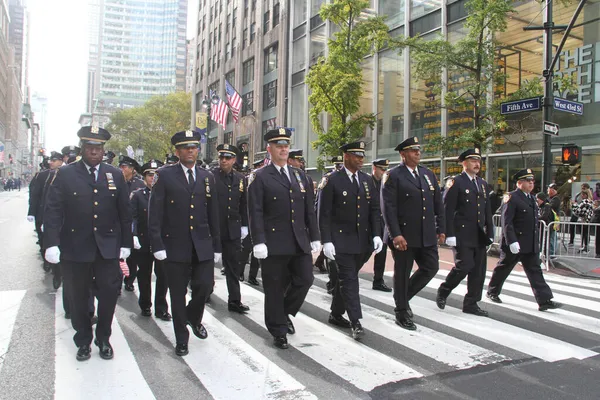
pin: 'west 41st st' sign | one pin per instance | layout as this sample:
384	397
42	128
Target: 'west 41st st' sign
518	106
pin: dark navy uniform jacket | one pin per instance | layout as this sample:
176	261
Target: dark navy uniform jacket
36	189
135	184
412	208
468	212
349	214
233	209
377	184
182	220
281	213
82	216
139	211
520	222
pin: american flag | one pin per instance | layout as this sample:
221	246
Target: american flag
219	109
234	100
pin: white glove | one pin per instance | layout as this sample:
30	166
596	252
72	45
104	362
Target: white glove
124	253
53	255
378	244
160	255
218	257
451	241
136	243
260	251
329	250
515	248
30	218
244	232
315	246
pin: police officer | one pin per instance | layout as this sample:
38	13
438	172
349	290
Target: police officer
470	229
296	160
129	167
414	219
378	169
109	157
36	204
70	154
520	242
171	159
233	213
284	231
350	222
87	214
247	243
184	232
141	244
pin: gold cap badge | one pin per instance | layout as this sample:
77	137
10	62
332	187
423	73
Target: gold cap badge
189	133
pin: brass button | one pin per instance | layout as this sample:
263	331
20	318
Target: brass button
144	209
292	211
229	207
292	221
95	228
423	217
358	197
192	196
357	224
230	199
191	217
344	202
167	235
95	190
358	216
340	231
274	198
95	203
191	206
172	201
423	190
424	208
424	199
273	229
74	193
95	216
358	206
290	190
292	200
72	230
191	228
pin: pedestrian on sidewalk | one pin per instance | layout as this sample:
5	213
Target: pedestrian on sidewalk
546	214
574	217
596	228
584	211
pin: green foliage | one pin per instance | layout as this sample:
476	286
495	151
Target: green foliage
151	125
336	81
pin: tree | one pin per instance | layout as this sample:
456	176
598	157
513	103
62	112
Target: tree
336	81
151	125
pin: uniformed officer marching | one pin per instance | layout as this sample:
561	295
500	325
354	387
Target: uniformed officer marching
296	160
469	229
36	204
171	159
233	213
414	218
520	242
141	244
87	214
56	161
184	232
379	167
247	243
350	223
284	231
70	154
130	167
109	157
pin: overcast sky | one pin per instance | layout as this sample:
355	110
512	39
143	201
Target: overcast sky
58	63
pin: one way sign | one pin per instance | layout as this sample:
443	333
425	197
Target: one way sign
550	128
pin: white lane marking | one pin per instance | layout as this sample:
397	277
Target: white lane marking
10	302
119	378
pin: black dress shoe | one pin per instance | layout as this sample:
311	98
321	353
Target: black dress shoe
106	350
339	320
321	268
405	322
549	305
56	281
165	316
381	286
129	287
253	281
357	331
238	306
181	349
409	312
146	312
281	342
94	320
494	297
291	329
441	302
475	311
84	352
199	330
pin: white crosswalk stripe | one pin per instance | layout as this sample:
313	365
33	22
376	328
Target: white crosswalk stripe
231	364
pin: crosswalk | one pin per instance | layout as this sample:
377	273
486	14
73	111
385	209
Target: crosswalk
238	360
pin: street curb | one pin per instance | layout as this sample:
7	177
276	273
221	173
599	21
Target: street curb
562	265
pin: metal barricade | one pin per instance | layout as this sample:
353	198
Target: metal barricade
572	240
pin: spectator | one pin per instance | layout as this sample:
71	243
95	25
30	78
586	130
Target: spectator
496	200
572	228
584	210
555	203
597	192
596	220
546	214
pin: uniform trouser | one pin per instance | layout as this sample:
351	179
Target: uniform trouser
40	235
332	271
531	266
66	290
254	265
286	281
345	295
320	260
79	277
470	262
132	264
379	265
405	288
244	254
144	278
231	254
202	276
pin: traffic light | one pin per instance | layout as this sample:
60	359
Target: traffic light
571	154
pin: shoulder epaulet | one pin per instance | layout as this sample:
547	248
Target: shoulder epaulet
385	177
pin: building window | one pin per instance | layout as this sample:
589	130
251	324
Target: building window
228	136
211	148
267	126
253	5
245	38
227	51
248	72
275	15
271	58
248	103
270	95
230	77
266	18
252	32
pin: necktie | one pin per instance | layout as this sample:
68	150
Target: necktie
282	172
191	180
93	174
475	183
416	174
355	181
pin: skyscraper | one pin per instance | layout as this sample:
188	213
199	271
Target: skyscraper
137	50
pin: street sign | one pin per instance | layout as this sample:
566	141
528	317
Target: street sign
572	107
550	128
512	107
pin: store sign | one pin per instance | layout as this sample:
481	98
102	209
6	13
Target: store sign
583	63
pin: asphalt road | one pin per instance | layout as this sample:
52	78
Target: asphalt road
518	352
